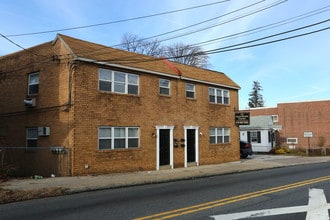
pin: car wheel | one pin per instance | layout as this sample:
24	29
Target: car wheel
243	156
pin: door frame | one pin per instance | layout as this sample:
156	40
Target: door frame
171	128
196	128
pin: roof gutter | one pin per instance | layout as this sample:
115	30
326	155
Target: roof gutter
153	72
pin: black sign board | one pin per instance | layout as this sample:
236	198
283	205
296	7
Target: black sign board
242	118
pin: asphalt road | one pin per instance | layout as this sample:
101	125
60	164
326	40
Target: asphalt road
187	199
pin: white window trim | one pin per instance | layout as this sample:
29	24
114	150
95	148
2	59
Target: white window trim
112	81
112	138
222	96
193	90
292	142
275	118
31	84
169	87
223	135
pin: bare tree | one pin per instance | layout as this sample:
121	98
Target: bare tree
179	52
133	43
187	54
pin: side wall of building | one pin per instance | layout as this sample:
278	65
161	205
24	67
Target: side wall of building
50	110
300	117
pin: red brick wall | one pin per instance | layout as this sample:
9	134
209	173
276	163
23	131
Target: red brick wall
298	117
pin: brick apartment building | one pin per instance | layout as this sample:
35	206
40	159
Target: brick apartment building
299	120
71	107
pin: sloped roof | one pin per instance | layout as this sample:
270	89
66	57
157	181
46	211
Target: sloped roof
93	52
260	123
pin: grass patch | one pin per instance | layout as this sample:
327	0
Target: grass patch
8	195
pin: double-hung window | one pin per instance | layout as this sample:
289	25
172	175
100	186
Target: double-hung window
33	84
254	136
118	82
118	137
31	137
219	96
164	87
190	90
219	135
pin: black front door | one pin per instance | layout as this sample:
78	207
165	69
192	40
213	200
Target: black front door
164	147
191	145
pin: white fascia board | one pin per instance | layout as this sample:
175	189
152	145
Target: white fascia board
154	72
210	83
125	67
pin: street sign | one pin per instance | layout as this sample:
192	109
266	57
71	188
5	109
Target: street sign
242	118
308	134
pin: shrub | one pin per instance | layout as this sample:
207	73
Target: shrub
280	151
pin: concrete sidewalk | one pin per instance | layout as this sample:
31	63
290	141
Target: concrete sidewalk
88	183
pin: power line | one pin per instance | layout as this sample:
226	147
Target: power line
229	48
16	44
196	24
270	42
224	49
214	25
266	27
118	21
208	27
234	47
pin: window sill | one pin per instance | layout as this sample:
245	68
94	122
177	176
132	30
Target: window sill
118	149
165	96
219	104
117	93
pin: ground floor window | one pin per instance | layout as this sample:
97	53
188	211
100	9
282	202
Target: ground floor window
219	135
118	137
254	136
31	137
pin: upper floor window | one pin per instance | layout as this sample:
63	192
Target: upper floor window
275	118
190	90
33	84
164	87
219	135
31	137
119	82
118	137
219	96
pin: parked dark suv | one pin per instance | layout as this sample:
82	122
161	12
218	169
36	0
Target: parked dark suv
245	149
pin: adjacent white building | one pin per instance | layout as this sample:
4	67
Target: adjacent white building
261	133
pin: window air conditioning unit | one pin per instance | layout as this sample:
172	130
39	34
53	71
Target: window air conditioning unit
43	131
30	102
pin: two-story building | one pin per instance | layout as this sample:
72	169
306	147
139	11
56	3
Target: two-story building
72	107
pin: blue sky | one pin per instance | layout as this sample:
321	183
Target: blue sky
290	70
